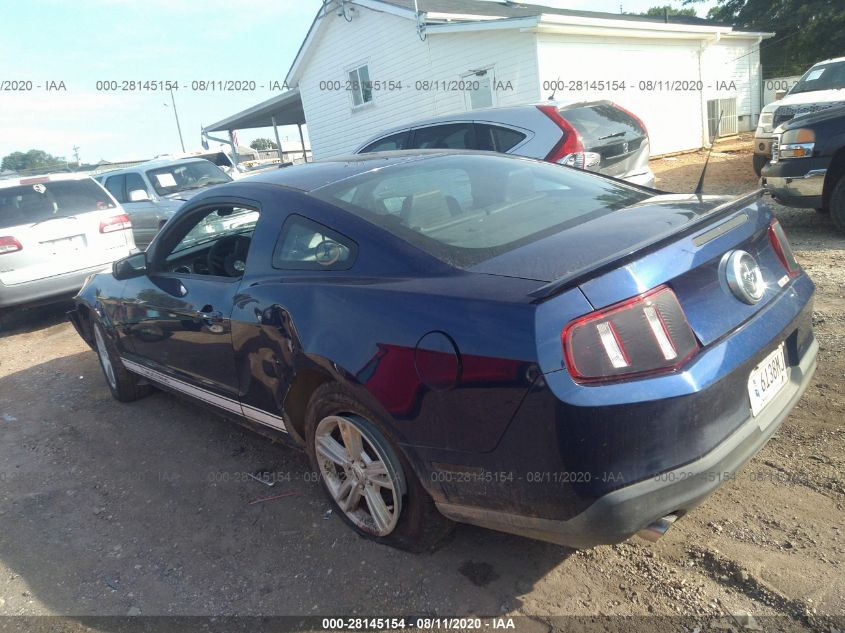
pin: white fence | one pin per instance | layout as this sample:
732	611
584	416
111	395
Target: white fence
775	85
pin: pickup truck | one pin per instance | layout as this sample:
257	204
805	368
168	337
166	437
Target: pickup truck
821	87
807	169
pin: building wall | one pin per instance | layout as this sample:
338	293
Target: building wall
389	45
661	80
522	64
730	62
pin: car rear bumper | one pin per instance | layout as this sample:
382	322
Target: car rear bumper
47	289
623	512
645	179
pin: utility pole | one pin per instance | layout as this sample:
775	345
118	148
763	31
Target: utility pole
176	114
76	155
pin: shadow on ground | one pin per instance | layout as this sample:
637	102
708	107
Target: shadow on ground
110	508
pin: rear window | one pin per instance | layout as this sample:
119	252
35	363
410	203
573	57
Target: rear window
466	209
40	201
601	122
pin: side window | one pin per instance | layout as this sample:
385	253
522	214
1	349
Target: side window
215	242
115	186
449	136
504	138
306	245
134	182
394	141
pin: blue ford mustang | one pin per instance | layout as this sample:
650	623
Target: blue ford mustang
472	337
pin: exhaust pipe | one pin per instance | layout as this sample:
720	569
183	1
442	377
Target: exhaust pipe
654	531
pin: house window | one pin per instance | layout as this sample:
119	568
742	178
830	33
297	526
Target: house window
360	86
480	89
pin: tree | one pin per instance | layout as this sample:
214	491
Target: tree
666	9
33	159
806	31
261	144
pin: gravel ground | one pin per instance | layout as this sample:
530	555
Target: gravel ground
111	509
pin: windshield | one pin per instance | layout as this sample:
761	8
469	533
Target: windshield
821	77
467	208
186	176
44	200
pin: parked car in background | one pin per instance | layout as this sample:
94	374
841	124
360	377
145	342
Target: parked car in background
807	169
55	231
550	353
153	191
597	136
821	87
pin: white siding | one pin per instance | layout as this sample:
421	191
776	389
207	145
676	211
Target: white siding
392	50
731	69
674	118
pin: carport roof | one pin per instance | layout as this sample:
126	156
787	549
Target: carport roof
286	108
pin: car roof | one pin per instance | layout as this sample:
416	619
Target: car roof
18	180
311	176
829	61
153	164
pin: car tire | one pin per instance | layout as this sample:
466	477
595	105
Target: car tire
412	522
837	205
758	162
124	385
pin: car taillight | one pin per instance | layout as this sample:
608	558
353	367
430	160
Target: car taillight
647	334
783	249
633	116
9	244
569	143
115	223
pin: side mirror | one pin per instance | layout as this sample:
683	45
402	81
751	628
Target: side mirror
780	94
130	267
138	195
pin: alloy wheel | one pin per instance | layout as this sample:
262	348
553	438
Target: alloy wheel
358	474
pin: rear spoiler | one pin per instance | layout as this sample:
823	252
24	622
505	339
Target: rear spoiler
594	269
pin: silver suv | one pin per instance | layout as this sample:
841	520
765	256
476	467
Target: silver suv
55	231
597	136
153	191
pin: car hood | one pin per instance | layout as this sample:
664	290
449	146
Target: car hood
805	98
614	234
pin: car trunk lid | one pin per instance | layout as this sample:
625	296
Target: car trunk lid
675	240
618	137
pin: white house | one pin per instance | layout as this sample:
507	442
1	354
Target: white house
368	65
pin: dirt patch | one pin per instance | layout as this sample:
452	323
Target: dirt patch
113	509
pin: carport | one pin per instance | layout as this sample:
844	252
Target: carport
284	109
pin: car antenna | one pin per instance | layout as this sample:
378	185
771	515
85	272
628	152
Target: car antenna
700	187
552	96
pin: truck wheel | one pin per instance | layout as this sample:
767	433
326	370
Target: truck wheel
368	481
837	205
758	162
124	386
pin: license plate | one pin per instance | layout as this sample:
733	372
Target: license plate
767	379
66	244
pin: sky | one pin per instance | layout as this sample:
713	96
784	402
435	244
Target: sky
84	42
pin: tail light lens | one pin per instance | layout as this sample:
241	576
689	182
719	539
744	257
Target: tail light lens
9	244
648	334
115	223
569	144
783	249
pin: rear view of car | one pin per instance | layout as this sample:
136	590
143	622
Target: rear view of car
54	232
597	136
